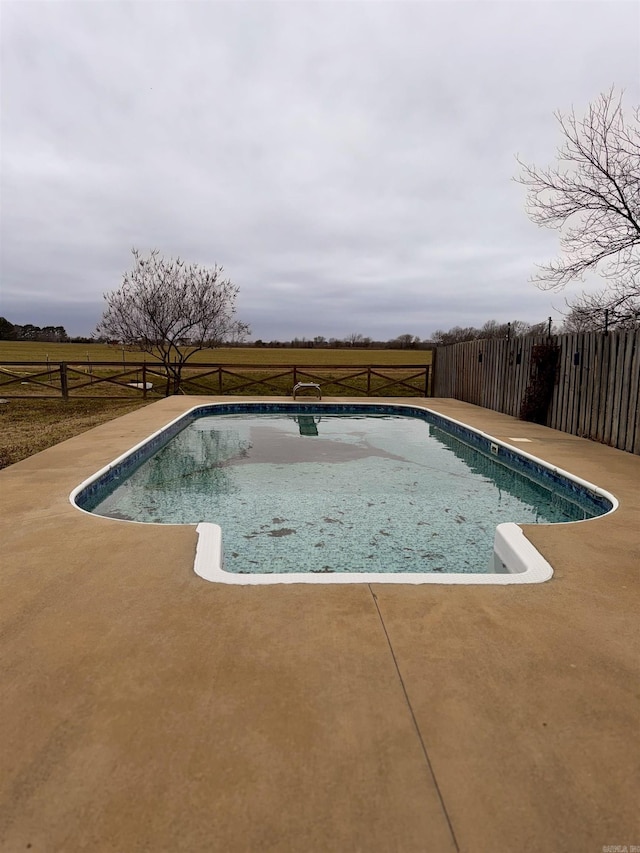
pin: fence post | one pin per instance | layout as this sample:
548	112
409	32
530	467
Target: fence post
64	383
433	368
144	380
368	381
426	380
295	377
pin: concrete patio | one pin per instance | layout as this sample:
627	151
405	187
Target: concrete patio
144	709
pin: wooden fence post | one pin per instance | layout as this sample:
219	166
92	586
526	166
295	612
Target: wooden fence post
64	381
434	361
144	380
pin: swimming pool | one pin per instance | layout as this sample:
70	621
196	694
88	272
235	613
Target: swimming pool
342	493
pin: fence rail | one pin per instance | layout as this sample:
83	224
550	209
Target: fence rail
118	380
596	393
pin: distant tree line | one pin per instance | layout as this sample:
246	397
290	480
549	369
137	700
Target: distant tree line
14	332
492	329
575	321
354	340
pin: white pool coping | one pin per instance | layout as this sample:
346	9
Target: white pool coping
515	559
511	548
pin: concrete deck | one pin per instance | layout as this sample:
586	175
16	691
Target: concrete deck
144	709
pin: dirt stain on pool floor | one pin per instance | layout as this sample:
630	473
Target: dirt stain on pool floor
270	446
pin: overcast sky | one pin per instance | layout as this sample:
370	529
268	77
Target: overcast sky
349	164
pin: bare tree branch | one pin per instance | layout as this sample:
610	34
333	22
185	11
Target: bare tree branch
615	307
592	196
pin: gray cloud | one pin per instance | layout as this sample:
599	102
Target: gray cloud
349	164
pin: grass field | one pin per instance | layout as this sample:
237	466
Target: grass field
264	356
28	426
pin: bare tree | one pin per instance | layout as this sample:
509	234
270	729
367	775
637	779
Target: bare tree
405	341
455	335
493	329
579	321
172	310
592	196
614	307
537	329
354	339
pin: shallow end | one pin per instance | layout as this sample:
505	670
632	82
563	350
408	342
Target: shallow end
515	561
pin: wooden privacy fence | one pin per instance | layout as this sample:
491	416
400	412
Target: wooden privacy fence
596	393
118	380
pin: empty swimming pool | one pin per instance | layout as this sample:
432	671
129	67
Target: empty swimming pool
346	491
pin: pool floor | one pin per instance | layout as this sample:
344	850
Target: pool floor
327	493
